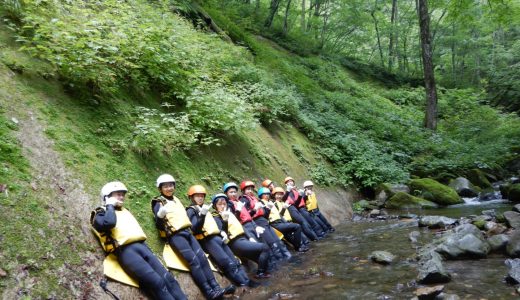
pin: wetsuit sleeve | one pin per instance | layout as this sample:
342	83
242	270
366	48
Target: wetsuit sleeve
220	223
105	219
159	223
197	221
285	196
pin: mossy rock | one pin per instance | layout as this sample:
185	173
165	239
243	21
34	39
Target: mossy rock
434	191
404	200
478	178
480	223
514	192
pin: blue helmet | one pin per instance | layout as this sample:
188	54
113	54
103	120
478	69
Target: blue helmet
229	185
216	197
262	191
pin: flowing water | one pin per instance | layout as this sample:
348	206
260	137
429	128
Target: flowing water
338	266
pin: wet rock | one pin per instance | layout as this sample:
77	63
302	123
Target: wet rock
498	242
444	296
514	193
284	296
504	189
374	213
513	276
306	282
490	212
403	200
494	228
513	246
434	191
3	273
436	221
512	219
516	208
408	216
463	187
427	293
466	241
488	195
431	270
382	257
330	286
413	236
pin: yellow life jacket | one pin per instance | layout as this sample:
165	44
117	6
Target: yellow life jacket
312	202
274	215
126	231
176	220
210	227
235	229
286	214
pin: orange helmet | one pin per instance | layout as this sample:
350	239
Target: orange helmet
246	183
278	190
196	189
266	183
287	179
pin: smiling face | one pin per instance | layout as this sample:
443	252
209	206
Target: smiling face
119	195
167	189
232	193
278	196
249	191
221	205
198	199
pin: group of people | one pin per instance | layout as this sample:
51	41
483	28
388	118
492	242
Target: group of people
235	227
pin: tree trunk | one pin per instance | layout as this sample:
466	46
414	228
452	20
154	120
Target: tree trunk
453	70
429	79
302	21
373	14
285	26
392	35
273	9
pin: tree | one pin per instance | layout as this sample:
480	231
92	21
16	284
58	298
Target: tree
427	59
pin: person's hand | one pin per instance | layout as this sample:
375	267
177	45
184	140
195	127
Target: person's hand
204	209
258	205
301	192
259	231
164	210
252	240
225	215
239	205
225	237
308	192
113	201
270	205
285	205
289	187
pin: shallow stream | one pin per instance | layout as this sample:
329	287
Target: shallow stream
338	266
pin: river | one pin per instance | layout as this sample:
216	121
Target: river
338	266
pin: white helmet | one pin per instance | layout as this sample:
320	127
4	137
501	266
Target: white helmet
111	187
307	183
164	178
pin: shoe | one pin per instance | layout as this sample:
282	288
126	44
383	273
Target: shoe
216	294
332	229
303	248
230	289
253	284
262	275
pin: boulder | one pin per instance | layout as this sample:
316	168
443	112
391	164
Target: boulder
513	246
382	257
516	208
488	195
478	178
445	296
498	242
431	270
512	219
436	221
386	190
404	200
504	190
490	212
493	228
514	193
463	187
513	276
374	213
465	241
434	191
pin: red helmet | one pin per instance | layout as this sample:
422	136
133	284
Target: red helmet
266	183
246	183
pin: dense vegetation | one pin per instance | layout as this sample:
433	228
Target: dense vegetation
209	89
